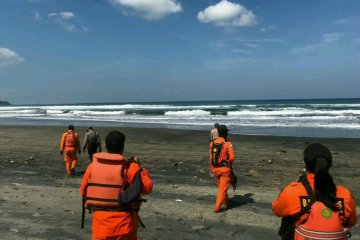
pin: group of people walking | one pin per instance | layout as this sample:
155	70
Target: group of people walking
312	208
70	145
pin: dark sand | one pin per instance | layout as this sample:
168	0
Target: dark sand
38	201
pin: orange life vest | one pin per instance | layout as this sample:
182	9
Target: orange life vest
106	181
70	141
322	223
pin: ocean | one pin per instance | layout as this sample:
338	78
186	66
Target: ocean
335	118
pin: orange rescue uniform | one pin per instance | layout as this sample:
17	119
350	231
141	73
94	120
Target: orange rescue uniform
117	225
292	199
222	173
69	147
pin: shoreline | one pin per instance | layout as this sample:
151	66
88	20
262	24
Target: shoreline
250	131
39	202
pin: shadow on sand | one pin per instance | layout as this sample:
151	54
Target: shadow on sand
239	200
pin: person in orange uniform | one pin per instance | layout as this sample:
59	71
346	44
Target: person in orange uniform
222	157
115	224
329	200
69	144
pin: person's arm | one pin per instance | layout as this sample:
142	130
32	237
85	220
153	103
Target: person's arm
210	152
85	142
62	143
287	203
78	146
146	182
352	219
85	180
231	152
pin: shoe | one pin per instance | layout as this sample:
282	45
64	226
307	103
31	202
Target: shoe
217	210
73	171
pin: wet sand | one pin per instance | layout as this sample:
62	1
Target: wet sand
38	200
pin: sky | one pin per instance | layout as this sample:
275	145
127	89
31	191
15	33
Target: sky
89	51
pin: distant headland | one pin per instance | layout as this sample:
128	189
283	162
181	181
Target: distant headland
4	103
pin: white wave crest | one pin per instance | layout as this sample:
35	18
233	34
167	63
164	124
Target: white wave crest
188	113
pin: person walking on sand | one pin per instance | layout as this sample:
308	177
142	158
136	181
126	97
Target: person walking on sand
316	207
92	142
114	198
222	157
69	144
214	132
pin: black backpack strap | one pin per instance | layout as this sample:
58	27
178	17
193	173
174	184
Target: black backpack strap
311	194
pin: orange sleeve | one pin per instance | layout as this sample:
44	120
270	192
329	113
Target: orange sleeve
85	180
352	218
349	206
287	203
231	152
62	142
146	182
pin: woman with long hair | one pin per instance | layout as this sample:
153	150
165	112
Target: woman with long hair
318	208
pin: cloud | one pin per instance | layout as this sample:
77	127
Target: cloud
36	15
151	9
348	22
267	28
67	20
9	57
63	15
305	49
226	13
326	39
331	37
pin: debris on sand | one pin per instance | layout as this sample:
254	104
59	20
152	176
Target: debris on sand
252	173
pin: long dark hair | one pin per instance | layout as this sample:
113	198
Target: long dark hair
318	160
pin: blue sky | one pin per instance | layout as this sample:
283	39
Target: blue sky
66	51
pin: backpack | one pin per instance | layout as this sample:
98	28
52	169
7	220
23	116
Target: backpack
216	159
70	140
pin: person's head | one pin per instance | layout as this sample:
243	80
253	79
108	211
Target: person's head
223	131
114	142
71	127
318	160
216	125
316	154
90	128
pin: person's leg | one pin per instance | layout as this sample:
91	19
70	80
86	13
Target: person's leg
68	167
67	158
222	197
91	152
73	162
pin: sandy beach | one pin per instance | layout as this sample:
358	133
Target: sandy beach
38	200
